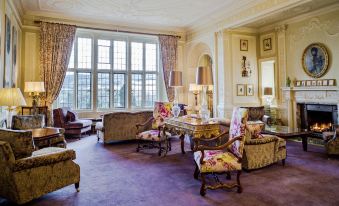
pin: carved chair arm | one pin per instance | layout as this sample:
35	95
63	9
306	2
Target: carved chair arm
143	125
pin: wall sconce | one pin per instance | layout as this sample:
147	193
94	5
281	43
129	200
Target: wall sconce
246	67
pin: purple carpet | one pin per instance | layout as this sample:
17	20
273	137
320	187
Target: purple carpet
116	175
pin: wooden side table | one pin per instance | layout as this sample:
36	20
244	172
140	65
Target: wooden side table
40	109
47	137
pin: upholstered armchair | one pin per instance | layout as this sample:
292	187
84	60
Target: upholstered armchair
331	141
65	118
258	113
152	133
261	150
225	158
27	174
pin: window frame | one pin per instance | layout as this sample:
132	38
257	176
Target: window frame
94	71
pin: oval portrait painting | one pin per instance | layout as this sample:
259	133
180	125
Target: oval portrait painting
315	60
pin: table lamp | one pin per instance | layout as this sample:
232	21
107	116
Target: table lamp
268	91
11	98
195	89
204	78
34	89
175	80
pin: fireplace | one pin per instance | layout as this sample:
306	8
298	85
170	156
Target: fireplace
318	118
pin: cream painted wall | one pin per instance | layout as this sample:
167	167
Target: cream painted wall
323	29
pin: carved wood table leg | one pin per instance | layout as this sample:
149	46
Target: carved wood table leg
304	142
182	138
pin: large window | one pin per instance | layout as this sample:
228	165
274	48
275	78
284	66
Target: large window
111	72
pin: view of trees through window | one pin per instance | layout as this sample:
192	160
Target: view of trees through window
111	72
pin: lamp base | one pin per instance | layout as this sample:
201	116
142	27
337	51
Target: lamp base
204	113
176	110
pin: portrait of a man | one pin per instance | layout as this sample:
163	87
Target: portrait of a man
315	60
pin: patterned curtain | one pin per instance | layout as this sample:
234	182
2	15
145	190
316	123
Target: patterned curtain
168	52
56	42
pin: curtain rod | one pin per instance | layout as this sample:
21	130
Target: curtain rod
116	30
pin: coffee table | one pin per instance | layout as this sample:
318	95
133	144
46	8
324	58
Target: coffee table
286	132
47	137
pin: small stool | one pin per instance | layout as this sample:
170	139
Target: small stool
99	127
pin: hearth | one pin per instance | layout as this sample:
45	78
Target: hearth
318	118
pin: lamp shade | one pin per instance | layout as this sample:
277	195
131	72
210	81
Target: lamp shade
194	87
204	76
175	79
268	91
34	87
11	97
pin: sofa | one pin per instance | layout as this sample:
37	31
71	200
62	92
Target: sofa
75	127
121	125
27	174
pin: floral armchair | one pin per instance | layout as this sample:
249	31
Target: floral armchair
225	158
151	132
27	174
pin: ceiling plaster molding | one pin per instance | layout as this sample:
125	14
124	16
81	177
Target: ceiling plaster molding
242	17
302	17
17	11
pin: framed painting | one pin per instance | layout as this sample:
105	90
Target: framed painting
240	90
267	44
243	45
303	83
298	83
315	60
7	69
249	90
331	82
320	83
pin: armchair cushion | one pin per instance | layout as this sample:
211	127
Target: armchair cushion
78	124
162	110
71	116
254	129
152	135
44	157
21	142
217	161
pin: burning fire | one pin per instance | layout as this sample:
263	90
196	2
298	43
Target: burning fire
321	127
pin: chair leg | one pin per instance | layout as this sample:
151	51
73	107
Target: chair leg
228	175
170	144
203	183
283	162
77	186
238	182
159	153
138	146
196	172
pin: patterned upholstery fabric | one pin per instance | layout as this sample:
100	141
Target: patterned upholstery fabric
258	113
21	142
71	116
46	170
217	161
162	110
24	122
152	135
121	125
237	128
254	129
332	142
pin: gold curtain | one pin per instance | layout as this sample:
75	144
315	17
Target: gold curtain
56	42
168	52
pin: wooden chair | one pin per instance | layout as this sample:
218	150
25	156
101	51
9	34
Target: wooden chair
222	159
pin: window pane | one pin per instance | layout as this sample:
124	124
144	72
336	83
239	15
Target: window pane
136	56
84	90
151	57
136	93
71	59
104	47
119	82
119	55
150	89
66	96
84	53
103	90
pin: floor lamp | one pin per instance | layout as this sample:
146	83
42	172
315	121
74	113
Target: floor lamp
11	98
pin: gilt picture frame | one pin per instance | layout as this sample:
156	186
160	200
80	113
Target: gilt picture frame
249	90
243	45
241	90
315	60
267	44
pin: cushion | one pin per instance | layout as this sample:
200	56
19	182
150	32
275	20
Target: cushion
71	116
21	142
44	157
78	124
217	161
254	129
151	135
162	110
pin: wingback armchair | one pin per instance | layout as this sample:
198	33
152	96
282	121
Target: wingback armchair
27	174
331	141
65	118
225	158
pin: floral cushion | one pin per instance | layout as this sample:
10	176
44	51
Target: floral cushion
237	128
162	110
217	161
253	129
152	135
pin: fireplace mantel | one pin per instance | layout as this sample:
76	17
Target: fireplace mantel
328	88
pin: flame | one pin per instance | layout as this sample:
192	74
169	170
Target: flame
320	127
